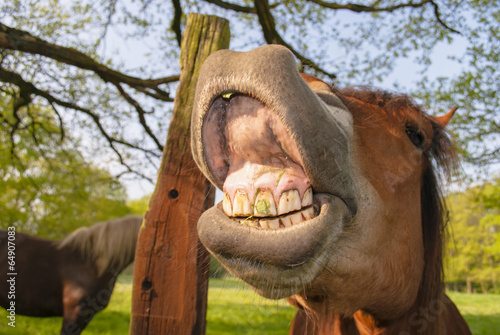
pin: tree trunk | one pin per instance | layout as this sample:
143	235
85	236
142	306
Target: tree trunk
171	266
484	287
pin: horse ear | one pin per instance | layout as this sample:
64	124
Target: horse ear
444	119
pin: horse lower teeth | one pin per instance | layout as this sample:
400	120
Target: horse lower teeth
279	222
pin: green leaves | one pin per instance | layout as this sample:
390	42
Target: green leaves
473	249
47	187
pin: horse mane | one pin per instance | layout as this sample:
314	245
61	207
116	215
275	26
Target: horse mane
108	245
441	162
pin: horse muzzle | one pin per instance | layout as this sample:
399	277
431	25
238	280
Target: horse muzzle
280	152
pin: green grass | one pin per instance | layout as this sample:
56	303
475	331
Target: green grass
114	320
481	311
233	308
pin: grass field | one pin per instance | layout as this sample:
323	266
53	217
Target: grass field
235	309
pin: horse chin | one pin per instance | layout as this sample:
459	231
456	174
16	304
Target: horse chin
276	263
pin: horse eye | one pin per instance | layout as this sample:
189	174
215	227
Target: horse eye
415	135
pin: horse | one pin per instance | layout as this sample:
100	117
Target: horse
331	196
73	277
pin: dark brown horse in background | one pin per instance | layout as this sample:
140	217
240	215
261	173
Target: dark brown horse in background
73	277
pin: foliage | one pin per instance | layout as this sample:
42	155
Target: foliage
234	309
48	188
139	206
107	68
473	251
475	88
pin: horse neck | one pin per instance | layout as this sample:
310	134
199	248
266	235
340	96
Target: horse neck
427	316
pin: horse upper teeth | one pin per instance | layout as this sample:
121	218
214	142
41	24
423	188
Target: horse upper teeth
264	204
226	205
241	205
265	214
307	199
289	202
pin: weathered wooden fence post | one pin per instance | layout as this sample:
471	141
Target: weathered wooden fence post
171	266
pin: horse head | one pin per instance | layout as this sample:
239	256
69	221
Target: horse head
323	188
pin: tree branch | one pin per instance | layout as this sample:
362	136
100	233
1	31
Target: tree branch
238	8
368	9
272	36
14	39
438	18
141	112
176	21
29	88
233	7
374	8
61	123
111	12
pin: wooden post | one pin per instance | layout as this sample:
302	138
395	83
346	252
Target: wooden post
171	266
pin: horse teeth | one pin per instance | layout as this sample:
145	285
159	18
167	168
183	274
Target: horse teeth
264	224
295	218
253	223
308	213
226	205
307	198
289	201
272	224
264	214
241	204
286	221
264	204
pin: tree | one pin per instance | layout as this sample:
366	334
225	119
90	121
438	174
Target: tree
48	188
472	253
63	55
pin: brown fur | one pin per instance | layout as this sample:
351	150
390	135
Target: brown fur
439	157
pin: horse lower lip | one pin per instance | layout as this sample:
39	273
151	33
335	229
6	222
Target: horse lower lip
279	247
261	256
